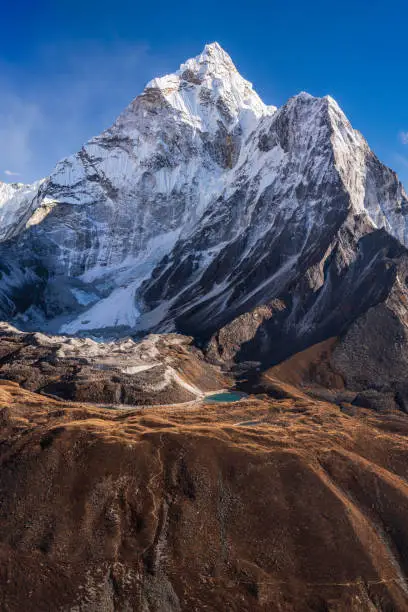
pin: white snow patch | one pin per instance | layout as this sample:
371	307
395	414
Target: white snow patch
84	297
118	309
139	368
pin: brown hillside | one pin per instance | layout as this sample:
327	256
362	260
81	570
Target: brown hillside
266	504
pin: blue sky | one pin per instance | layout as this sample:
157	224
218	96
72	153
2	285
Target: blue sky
68	68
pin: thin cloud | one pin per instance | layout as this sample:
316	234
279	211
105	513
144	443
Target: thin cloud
72	96
401	166
19	121
403	136
11	173
401	160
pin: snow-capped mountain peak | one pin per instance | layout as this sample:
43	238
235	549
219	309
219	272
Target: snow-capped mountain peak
213	61
208	90
198	203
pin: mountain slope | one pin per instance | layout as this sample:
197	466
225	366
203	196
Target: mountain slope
113	210
18	203
201	203
287	504
302	229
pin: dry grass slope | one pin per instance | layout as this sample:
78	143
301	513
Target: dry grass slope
265	504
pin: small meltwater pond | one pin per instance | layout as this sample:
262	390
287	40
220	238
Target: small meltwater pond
227	396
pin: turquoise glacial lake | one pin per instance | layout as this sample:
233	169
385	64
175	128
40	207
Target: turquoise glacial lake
228	396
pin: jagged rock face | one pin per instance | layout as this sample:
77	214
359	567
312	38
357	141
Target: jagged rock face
373	352
303	238
263	230
326	300
200	204
363	362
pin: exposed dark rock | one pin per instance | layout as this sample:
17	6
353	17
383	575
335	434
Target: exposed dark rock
375	400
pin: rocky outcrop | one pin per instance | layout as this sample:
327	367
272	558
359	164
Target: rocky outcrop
159	370
225	345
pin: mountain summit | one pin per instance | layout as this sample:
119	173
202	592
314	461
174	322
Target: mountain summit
199	205
212	63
